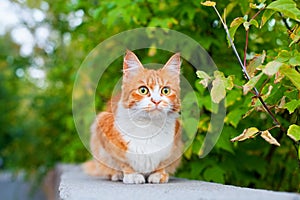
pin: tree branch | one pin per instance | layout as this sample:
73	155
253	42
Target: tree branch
247	35
245	71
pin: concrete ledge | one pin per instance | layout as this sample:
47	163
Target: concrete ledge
76	185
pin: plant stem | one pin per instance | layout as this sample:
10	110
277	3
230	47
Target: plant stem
247	36
285	22
245	70
246	47
232	45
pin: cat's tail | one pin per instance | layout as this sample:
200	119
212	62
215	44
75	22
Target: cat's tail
90	168
95	168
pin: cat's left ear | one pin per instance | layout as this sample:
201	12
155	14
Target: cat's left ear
173	64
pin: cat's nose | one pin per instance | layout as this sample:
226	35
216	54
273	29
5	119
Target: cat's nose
156	102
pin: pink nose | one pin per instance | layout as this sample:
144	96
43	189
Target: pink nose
155	101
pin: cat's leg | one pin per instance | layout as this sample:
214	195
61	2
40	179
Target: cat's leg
158	176
132	177
117	176
95	168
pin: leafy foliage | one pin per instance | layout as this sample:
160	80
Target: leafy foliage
37	130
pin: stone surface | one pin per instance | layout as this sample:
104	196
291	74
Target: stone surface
14	187
76	185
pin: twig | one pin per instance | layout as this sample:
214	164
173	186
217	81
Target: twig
247	35
246	73
232	45
246	46
264	84
285	22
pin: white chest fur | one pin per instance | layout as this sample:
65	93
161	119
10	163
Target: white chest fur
150	137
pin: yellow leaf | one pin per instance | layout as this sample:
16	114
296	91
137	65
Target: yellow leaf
272	68
237	21
294	132
251	83
218	91
209	3
255	62
269	138
247	133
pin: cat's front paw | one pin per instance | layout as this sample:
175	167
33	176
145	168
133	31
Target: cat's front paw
117	177
134	178
158	177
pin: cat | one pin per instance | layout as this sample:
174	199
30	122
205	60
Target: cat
138	138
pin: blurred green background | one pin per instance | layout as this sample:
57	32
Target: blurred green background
43	43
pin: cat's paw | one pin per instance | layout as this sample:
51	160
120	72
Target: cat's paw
117	177
158	177
134	178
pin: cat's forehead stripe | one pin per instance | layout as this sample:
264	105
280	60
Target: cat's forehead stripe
153	79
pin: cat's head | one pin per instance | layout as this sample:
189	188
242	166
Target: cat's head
151	90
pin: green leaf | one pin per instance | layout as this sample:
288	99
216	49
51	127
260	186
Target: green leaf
218	91
229	8
228	82
244	4
234	117
188	153
232	97
196	168
292	74
291	94
237	22
248	24
283	56
247	133
234	26
272	68
197	146
162	22
266	16
224	140
294	35
215	174
295	61
205	78
294	132
97	12
254	23
286	7
292	105
251	83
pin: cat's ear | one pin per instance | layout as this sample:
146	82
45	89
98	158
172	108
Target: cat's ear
131	64
173	64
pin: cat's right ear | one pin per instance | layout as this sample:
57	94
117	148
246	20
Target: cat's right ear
131	64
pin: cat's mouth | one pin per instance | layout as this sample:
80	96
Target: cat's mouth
155	109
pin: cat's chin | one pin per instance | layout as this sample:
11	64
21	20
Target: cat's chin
157	111
161	113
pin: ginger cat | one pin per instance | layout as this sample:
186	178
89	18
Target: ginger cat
138	138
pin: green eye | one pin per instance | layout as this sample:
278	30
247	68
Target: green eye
143	90
165	90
